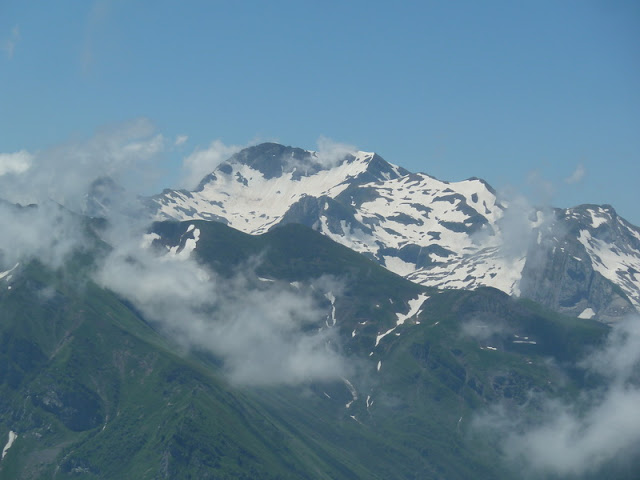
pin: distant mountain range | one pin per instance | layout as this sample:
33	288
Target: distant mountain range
582	261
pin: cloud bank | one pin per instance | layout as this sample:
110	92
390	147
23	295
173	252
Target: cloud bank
46	232
600	428
15	163
266	333
64	174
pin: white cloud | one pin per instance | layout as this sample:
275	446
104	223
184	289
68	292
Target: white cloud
180	139
266	333
62	178
18	162
483	330
573	443
202	162
330	153
46	232
601	426
577	176
9	44
66	172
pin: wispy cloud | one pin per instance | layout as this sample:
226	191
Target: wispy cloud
203	161
542	189
330	152
98	15
48	233
18	162
265	333
483	330
66	172
577	176
9	45
62	179
180	139
579	438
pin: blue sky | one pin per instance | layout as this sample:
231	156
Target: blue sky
525	94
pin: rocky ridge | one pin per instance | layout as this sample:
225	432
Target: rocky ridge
583	261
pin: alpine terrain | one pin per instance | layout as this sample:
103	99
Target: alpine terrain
582	261
309	316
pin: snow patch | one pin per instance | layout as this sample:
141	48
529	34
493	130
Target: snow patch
614	264
4	274
399	266
331	297
414	309
382	335
598	218
352	390
12	438
587	313
414	306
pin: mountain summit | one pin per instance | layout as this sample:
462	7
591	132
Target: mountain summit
581	261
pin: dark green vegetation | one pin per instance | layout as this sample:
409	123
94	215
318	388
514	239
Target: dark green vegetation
94	391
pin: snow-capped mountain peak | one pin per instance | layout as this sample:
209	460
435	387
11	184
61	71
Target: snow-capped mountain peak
436	233
254	189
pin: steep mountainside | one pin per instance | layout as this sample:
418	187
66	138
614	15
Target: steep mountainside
95	390
582	261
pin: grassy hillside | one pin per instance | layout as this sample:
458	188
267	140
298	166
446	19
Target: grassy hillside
93	391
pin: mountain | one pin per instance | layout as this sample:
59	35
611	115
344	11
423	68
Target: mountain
581	261
265	339
94	388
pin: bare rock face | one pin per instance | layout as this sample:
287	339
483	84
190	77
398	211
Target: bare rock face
559	273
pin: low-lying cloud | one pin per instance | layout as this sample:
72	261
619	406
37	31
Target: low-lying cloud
64	174
46	232
602	425
482	330
59	182
15	163
266	334
204	161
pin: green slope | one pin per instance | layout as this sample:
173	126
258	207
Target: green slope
95	392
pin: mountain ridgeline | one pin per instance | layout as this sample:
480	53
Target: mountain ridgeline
301	315
93	389
582	261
